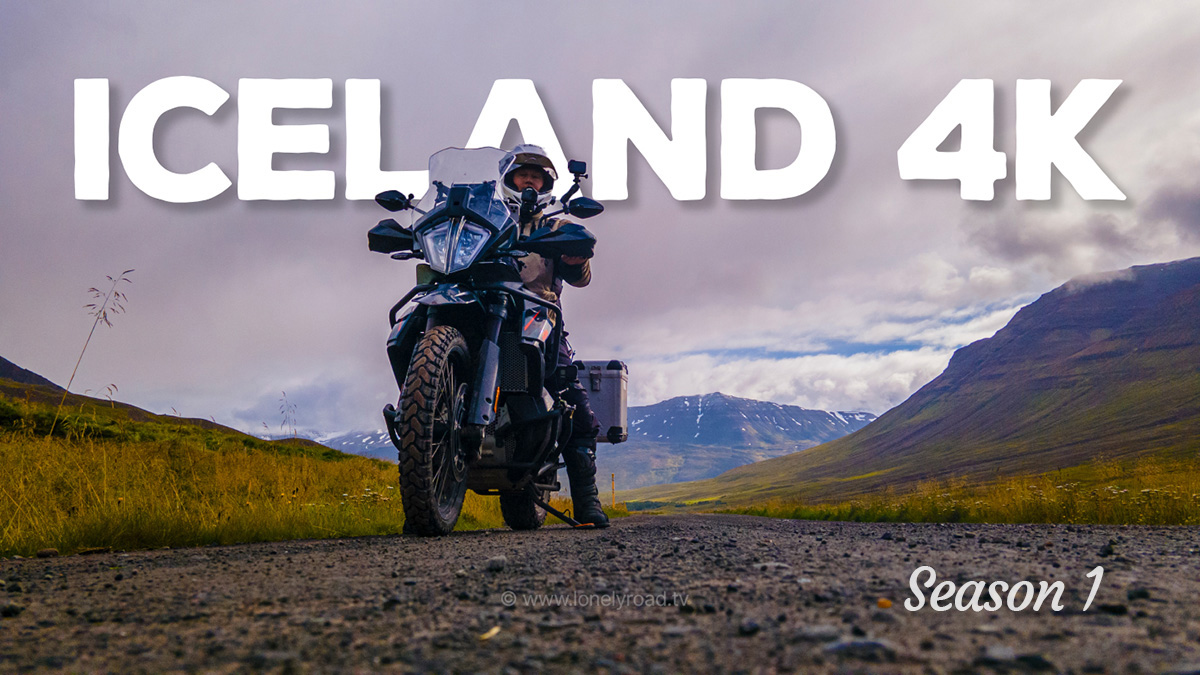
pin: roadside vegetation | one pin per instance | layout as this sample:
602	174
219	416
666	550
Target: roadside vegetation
1149	490
111	476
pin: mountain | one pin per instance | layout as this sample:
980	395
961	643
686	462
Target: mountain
11	371
693	437
729	421
367	443
1106	366
683	438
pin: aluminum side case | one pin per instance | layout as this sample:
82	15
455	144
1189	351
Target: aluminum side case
607	385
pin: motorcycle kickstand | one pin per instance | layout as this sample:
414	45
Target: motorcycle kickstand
562	516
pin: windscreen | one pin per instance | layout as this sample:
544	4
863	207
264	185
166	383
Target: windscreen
478	168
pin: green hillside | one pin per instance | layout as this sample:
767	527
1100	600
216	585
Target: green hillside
33	409
1090	370
115	477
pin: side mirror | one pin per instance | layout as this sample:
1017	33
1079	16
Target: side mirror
394	200
576	166
584	207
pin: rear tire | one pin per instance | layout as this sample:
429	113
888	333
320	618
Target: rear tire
520	512
433	461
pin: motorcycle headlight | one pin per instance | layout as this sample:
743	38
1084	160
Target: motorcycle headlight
436	245
471	240
453	245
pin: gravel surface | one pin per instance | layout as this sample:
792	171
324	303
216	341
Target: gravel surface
651	594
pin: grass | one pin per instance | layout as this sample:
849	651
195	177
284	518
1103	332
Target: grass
107	480
1149	490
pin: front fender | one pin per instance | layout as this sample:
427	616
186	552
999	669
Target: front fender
408	321
449	294
403	339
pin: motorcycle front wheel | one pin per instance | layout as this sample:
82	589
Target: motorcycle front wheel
433	461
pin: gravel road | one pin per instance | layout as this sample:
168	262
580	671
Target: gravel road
651	594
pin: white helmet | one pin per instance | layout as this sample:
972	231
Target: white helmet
526	154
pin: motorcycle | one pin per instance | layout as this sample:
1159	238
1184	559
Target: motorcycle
471	348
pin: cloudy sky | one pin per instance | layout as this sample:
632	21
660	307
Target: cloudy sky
849	297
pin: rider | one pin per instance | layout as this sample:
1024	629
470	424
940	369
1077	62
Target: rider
531	168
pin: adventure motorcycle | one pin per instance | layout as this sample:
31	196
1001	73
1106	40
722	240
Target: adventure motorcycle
471	348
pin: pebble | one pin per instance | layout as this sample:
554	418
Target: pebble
864	650
11	610
1137	594
272	658
1036	662
560	623
748	627
497	563
48	553
817	633
996	655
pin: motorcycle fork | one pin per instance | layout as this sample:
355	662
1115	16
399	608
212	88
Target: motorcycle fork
483	403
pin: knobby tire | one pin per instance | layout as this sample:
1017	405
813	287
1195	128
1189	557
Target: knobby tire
432	407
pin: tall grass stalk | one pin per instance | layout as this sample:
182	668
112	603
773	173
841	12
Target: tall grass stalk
113	301
287	410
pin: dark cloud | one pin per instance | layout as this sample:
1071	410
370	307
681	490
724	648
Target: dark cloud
1015	239
1178	205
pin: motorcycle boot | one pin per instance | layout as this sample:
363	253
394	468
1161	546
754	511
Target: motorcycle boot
580	458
